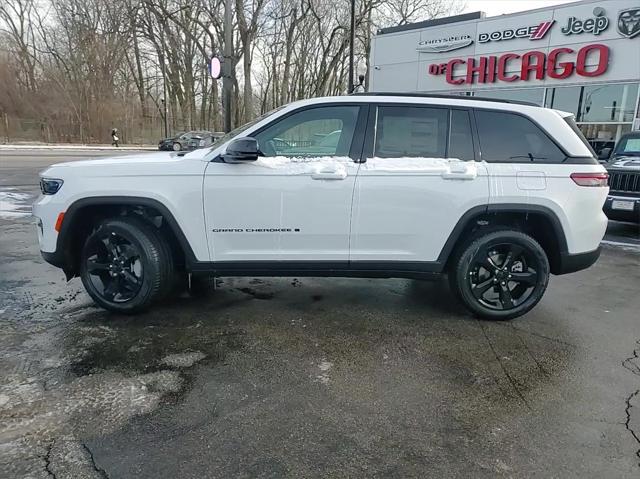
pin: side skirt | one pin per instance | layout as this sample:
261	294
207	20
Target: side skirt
354	269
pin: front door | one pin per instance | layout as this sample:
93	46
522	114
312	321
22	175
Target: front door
294	202
418	180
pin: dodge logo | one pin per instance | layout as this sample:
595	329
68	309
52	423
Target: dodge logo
629	22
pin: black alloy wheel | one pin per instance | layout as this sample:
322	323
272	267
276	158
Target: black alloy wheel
503	276
125	265
500	274
114	267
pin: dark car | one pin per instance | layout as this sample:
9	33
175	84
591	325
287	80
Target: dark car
623	202
203	140
180	141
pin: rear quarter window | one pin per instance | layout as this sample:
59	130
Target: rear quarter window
510	138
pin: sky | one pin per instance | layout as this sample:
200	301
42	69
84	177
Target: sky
499	7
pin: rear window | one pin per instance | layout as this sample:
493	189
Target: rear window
510	138
571	121
416	132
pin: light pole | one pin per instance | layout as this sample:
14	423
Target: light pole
227	67
351	45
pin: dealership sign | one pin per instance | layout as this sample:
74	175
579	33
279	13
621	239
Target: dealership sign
534	32
447	44
596	25
629	22
560	63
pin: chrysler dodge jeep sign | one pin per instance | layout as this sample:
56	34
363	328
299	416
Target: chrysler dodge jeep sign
533	32
448	44
595	25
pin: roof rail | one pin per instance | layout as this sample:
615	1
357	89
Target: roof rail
451	97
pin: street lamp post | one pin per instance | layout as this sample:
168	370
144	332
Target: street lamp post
351	45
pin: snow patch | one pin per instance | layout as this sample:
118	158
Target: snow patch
443	166
183	360
304	165
13	204
324	368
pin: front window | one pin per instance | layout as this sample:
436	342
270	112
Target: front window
313	132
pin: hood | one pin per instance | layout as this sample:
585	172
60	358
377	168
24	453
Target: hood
148	164
624	163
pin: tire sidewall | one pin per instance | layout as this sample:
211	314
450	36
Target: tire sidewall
463	288
150	268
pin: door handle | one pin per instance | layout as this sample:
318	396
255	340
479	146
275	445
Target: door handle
329	175
459	176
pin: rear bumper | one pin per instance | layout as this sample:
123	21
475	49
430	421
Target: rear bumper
570	263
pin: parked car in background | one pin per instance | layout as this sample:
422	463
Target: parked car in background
623	165
180	141
203	140
603	148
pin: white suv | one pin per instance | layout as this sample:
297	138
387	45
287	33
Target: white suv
495	194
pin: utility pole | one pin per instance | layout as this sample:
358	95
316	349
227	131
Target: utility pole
164	85
351	45
227	67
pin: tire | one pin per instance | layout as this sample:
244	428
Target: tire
142	272
500	275
176	146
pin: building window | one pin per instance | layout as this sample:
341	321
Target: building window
603	112
596	103
532	95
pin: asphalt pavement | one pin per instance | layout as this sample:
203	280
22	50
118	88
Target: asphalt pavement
300	377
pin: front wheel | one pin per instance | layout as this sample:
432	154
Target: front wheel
177	146
125	265
500	275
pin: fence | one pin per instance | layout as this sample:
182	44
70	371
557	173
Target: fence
29	130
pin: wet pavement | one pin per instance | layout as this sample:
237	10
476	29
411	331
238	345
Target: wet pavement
313	377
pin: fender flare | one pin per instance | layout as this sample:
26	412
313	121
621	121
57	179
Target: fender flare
476	211
73	209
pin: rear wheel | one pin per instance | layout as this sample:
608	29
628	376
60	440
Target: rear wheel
125	265
500	275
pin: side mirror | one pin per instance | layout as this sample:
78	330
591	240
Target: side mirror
604	154
241	150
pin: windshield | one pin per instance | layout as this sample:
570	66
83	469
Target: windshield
629	146
233	133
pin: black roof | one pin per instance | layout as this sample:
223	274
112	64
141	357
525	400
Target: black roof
452	97
432	23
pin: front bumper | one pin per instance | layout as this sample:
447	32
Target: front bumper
570	263
632	216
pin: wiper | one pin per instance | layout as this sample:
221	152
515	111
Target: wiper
528	156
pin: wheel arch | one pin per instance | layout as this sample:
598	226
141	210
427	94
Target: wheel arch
83	214
540	222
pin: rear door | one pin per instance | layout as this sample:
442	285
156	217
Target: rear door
420	176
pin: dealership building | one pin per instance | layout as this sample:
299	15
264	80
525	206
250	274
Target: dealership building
581	57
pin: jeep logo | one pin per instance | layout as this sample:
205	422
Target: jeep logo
596	25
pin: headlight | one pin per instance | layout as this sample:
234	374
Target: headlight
50	186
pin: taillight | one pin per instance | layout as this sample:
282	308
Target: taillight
590	179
